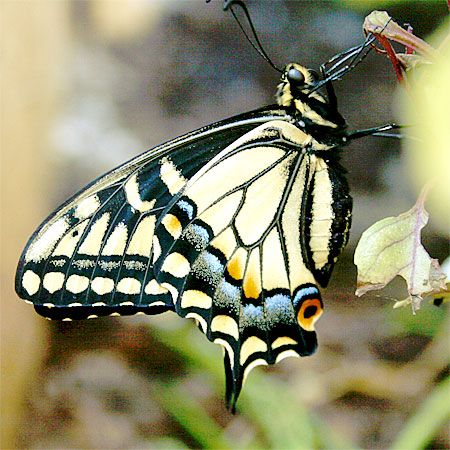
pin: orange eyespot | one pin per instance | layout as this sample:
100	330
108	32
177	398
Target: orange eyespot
309	312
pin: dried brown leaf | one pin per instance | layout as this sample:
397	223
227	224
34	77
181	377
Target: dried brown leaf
379	23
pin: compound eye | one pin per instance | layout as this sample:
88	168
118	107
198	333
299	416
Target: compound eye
295	76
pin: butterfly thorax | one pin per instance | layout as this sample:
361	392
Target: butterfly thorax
312	112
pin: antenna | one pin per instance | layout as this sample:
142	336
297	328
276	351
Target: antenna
256	44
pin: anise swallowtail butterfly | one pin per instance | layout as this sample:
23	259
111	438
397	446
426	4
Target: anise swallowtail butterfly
233	225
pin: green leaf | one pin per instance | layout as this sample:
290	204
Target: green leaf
284	421
191	416
393	247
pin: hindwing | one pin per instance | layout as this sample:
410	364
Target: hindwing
233	249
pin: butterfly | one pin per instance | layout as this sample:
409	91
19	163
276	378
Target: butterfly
234	225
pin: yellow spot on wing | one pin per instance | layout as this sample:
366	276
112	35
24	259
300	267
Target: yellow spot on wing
154	288
77	284
252	279
31	282
53	281
172	225
171	176
87	207
284	340
46	240
176	264
141	241
134	198
251	345
236	265
225	324
195	298
129	286
156	248
115	245
101	286
93	241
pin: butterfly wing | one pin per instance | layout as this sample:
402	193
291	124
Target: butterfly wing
229	225
94	255
235	253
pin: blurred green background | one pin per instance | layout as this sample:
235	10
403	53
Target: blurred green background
90	84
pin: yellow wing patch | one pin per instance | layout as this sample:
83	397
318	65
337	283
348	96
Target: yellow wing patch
236	265
252	279
172	225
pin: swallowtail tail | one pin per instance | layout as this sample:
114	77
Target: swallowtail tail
233	225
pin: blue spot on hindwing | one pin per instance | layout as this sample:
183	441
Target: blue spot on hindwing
305	292
279	309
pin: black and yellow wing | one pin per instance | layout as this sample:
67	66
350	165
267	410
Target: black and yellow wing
230	225
78	262
240	254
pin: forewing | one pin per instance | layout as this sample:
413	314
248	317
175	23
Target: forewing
232	254
94	255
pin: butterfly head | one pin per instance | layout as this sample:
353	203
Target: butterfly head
296	83
297	91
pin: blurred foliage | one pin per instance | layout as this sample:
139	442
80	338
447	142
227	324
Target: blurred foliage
269	405
431	415
427	109
264	400
382	4
428	322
